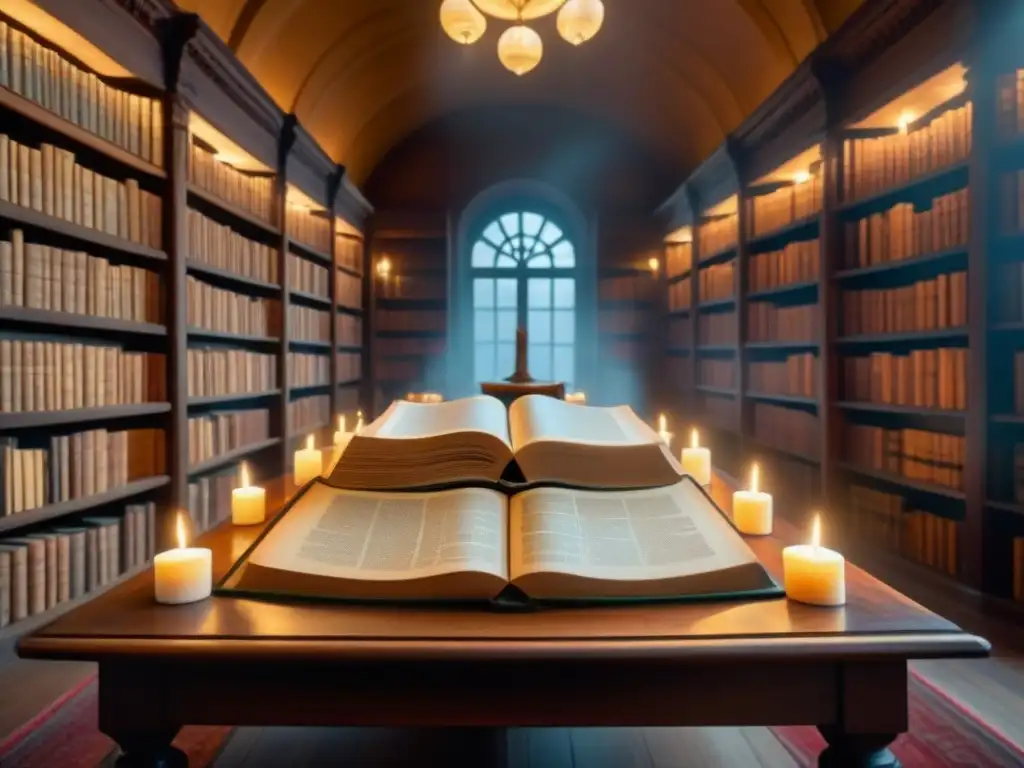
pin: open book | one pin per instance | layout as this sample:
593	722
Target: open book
414	445
543	544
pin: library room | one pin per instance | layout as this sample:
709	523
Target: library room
511	383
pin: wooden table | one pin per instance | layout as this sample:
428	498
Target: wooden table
231	661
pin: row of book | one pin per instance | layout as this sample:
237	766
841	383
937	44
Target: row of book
405	371
875	164
716	235
928	457
44	277
885	520
638	287
678	259
215	309
680	333
716	373
717	329
308	277
309	413
209	500
50	181
795	485
309	228
350	366
716	282
716	411
617	321
435	320
40	73
767	322
59	376
680	295
349	290
923	378
1011	202
216	433
903	231
926	305
398	286
1010	104
216	372
76	466
785	205
796	263
796	376
348	401
308	324
349	329
388	347
250	192
348	252
308	370
786	429
49	567
218	245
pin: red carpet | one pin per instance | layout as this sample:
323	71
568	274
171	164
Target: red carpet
942	735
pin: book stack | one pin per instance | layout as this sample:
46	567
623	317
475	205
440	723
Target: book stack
251	193
716	282
350	365
349	253
219	246
718	374
308	414
215	309
350	290
308	228
718	329
349	330
768	322
40	375
308	277
923	378
796	263
717	235
209	499
217	433
928	457
218	372
926	305
680	295
789	430
309	370
47	567
308	324
678	259
796	376
786	205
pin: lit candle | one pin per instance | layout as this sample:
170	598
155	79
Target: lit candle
752	509
341	433
580	398
696	461
183	575
248	503
813	574
359	422
309	463
663	433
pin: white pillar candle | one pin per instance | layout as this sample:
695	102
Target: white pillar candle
359	422
663	433
813	574
248	503
752	509
183	575
341	433
309	463
579	398
696	461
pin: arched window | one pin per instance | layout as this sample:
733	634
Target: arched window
523	270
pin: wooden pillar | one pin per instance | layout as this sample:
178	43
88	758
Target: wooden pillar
281	421
367	395
695	257
744	229
333	185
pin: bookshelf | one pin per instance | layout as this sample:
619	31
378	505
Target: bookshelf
162	318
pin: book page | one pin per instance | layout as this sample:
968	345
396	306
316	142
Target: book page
403	419
389	536
536	417
629	535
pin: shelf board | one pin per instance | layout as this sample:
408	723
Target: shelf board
760	445
81	322
349	271
233	211
1008	418
84	504
719	391
238	338
677	352
310	299
719	256
786	289
766	397
684	312
670	280
350	348
1007	326
299	248
785	232
939	259
39	419
91	237
422	305
229	457
345	309
196	402
52	121
314	345
207	270
411	334
901	410
939	334
1014	507
713	304
711	349
947	177
350	382
781	346
305	388
904	482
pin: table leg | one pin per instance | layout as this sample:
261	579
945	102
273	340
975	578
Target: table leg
132	712
148	750
856	750
871	712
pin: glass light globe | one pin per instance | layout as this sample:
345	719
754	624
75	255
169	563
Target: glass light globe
462	21
513	10
520	49
580	20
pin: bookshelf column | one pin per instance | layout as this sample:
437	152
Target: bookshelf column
333	184
284	148
367	395
743	230
695	258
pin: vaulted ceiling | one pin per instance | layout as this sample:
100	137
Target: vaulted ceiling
362	75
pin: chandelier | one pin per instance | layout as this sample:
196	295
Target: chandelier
520	48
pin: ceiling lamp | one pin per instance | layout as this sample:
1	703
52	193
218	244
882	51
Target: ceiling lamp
520	49
462	21
518	10
580	20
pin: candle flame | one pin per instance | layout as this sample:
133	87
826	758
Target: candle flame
755	473
310	444
180	532
341	423
244	479
359	422
653	264
904	121
694	439
816	531
662	423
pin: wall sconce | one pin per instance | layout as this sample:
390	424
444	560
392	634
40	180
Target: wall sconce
904	121
383	267
802	177
654	265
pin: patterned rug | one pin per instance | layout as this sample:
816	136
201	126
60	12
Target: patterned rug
942	735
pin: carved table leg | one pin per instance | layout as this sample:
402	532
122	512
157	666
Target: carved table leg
133	712
857	750
149	750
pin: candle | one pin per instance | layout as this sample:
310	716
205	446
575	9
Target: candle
663	433
752	509
813	574
580	398
696	461
359	422
248	503
341	434
309	463
183	575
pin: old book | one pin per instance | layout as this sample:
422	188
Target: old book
537	438
17	555
543	544
52	569
5	578
35	572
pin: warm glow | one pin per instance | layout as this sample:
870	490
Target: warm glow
653	264
816	531
462	21
299	200
755	475
226	151
919	100
681	235
694	439
310	443
384	266
244	476
905	120
580	20
341	423
512	10
359	422
180	531
520	49
662	423
802	177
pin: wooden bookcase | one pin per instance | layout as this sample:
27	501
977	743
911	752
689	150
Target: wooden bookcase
181	289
